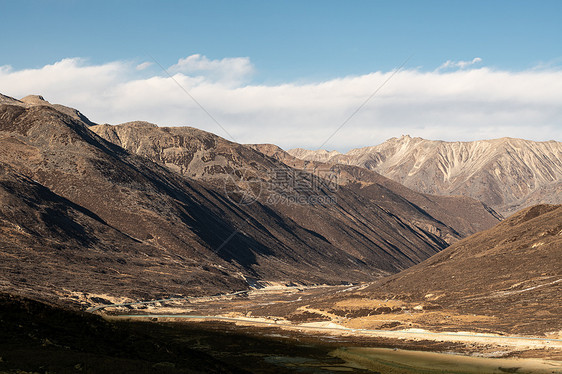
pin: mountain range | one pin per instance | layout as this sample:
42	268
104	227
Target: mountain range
507	174
204	156
464	214
99	212
141	211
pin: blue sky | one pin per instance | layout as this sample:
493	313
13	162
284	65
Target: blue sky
302	48
286	39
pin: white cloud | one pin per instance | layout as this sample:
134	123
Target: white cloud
144	65
227	70
449	64
462	104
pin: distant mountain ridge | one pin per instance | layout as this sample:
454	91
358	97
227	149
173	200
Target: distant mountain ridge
507	174
465	215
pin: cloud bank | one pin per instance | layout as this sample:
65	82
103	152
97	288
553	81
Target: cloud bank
228	70
459	103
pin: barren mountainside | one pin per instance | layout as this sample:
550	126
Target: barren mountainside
115	217
506	174
34	100
511	272
205	156
505	280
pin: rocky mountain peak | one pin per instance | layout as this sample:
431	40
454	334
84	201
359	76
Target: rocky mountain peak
35	100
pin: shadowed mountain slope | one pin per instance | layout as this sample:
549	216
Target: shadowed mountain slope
464	215
357	224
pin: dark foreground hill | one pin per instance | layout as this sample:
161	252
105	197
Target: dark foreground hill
37	337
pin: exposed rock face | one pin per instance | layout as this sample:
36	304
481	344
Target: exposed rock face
83	214
186	150
506	174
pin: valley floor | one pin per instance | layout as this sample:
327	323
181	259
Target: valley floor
271	330
291	311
